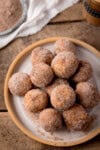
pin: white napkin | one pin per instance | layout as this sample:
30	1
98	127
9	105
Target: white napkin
39	13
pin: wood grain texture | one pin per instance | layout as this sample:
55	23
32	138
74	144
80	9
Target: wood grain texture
67	15
78	30
11	138
65	24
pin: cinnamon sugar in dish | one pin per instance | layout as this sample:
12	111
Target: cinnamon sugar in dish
10	13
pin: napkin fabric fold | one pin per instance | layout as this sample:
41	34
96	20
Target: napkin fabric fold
39	13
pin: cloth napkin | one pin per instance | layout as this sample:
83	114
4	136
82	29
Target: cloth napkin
39	13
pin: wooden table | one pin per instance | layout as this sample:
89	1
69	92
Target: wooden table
69	23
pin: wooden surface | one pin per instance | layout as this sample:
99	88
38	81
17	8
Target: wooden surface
69	23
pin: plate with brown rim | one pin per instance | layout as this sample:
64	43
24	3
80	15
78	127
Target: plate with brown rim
27	122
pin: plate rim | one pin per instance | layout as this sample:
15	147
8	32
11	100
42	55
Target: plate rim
7	95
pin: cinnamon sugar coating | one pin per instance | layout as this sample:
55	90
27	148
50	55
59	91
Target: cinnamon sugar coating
54	84
40	54
87	94
41	75
35	100
64	45
76	118
19	83
62	97
50	119
65	64
83	73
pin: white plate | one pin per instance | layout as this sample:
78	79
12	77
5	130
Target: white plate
28	123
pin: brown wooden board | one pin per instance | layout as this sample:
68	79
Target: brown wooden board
67	15
68	23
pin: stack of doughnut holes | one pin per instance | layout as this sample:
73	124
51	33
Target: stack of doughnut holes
57	87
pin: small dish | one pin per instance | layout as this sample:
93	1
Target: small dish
30	126
24	8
